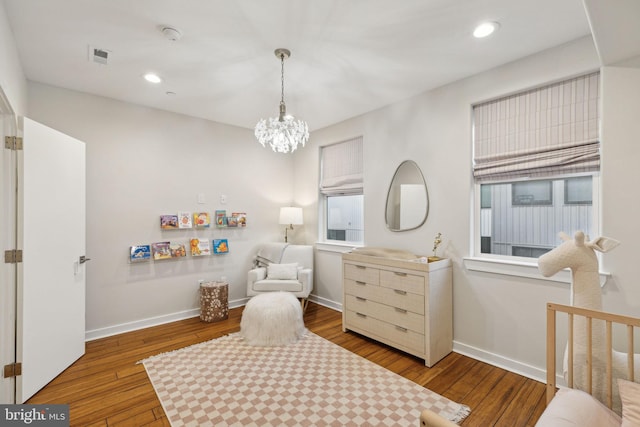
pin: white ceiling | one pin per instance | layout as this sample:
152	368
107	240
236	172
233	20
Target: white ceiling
348	57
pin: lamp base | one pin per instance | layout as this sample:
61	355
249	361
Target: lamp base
286	229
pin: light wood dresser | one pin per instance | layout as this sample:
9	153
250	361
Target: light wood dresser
405	304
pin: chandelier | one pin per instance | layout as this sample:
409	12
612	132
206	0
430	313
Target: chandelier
282	133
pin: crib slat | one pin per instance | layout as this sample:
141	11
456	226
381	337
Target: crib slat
589	355
551	354
630	358
609	365
570	351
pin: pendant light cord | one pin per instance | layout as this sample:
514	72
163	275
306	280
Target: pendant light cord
282	75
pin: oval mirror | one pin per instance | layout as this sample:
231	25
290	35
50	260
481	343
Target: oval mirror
407	199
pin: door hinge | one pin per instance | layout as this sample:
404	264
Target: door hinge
13	143
12	370
13	256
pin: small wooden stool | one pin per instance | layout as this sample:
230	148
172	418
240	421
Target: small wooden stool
214	301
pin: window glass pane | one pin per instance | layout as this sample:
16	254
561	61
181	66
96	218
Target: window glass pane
578	190
485	196
345	220
531	229
531	193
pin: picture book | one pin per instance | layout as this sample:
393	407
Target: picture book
160	250
221	218
241	218
177	250
220	246
232	221
199	247
184	220
140	253
168	222
201	220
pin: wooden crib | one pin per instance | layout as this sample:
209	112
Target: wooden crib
570	407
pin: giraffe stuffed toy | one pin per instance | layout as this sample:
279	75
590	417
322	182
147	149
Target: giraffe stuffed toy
579	255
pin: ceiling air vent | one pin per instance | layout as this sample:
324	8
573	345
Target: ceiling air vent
99	56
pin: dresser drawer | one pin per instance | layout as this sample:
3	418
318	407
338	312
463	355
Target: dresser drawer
386	332
394	315
404	300
403	282
360	273
361	289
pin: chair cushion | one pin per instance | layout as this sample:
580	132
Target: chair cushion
630	396
268	285
282	271
575	408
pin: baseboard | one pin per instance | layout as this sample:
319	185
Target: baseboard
121	328
501	362
326	302
466	350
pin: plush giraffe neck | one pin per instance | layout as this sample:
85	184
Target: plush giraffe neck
585	289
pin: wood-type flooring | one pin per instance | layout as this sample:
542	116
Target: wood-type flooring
106	387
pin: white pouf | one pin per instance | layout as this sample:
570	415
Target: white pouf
272	319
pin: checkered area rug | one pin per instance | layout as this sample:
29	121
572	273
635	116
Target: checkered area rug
225	382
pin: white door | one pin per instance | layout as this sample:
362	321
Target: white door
8	239
51	278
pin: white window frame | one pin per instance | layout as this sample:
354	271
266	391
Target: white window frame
524	266
325	243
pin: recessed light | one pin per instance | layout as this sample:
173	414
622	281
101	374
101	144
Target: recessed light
485	29
153	78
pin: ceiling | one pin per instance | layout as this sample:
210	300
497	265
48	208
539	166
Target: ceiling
348	57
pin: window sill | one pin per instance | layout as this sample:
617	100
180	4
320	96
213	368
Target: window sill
520	269
336	247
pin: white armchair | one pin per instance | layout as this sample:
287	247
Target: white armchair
283	267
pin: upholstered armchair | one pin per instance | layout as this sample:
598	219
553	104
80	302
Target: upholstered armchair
282	267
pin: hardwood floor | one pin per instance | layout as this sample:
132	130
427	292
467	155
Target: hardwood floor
106	387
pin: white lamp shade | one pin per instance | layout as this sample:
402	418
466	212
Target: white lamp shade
290	215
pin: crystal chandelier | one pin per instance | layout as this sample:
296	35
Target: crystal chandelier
282	133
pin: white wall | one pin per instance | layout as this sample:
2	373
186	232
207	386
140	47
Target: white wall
12	80
620	176
496	318
142	163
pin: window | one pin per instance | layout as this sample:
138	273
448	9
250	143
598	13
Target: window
531	193
528	229
341	190
536	167
578	191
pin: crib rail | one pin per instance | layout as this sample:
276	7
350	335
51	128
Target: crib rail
589	315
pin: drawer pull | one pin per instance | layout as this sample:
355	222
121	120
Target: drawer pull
401	329
401	310
360	283
361	315
361	299
399	273
362	267
400	291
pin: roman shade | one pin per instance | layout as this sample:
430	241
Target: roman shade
341	168
551	130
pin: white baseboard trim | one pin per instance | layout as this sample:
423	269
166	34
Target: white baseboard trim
326	302
121	328
511	365
466	350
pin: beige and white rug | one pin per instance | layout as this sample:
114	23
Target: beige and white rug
225	382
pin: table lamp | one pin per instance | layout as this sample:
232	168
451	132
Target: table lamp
290	216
